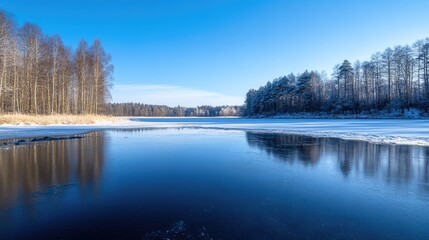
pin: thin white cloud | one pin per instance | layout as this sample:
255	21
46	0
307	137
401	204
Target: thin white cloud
171	95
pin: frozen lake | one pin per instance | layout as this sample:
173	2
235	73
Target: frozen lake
410	132
195	183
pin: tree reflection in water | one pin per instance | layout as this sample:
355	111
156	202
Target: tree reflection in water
396	164
49	168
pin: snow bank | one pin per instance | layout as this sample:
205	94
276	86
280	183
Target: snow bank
410	132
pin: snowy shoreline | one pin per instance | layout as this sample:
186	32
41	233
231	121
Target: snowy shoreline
407	132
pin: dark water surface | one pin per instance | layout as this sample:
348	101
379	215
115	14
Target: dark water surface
212	184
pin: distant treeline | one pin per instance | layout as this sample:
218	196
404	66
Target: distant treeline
392	81
40	75
139	109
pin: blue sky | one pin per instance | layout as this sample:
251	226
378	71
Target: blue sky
195	52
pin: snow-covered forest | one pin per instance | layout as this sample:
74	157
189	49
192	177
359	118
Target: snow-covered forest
147	110
40	75
395	80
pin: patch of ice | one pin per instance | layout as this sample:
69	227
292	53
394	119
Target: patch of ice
410	131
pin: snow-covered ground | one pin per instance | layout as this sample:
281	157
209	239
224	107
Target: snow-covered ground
414	132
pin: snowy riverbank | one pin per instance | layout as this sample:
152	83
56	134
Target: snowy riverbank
411	132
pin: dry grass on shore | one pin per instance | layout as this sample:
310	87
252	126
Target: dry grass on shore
55	119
